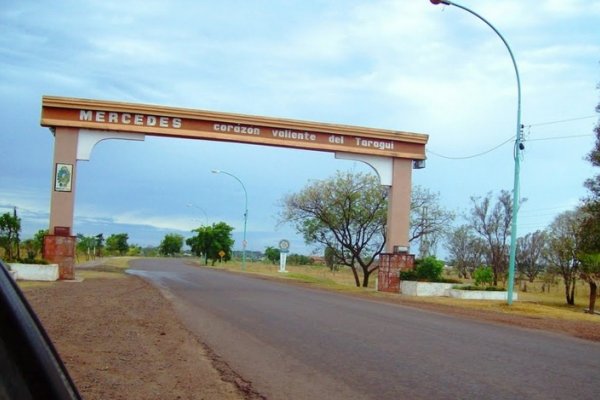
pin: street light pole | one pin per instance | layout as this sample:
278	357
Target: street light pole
201	209
217	171
516	154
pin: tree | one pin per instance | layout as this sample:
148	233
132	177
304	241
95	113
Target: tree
330	260
466	250
171	244
492	222
299	259
10	226
346	213
117	243
563	246
272	254
38	240
211	240
428	220
530	254
483	276
86	245
590	227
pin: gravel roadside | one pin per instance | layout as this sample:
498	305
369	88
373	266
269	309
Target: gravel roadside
121	339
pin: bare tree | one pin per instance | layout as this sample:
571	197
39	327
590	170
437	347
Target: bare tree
563	246
429	221
530	254
465	249
492	222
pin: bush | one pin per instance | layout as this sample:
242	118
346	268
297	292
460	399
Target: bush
410	275
428	269
483	276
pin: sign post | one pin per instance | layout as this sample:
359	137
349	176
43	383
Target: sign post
284	248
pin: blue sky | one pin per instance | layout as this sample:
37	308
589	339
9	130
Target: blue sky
402	65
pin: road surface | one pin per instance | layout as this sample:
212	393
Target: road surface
297	343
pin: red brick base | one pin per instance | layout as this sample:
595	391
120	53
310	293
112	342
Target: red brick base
61	250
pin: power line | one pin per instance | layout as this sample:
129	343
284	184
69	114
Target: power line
561	121
474	155
560	137
527	140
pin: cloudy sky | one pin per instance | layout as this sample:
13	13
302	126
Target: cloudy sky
403	65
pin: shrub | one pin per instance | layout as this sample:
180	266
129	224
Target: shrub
428	269
410	275
483	276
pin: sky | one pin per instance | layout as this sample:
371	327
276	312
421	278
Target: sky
404	65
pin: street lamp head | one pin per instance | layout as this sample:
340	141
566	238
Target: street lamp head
436	2
216	171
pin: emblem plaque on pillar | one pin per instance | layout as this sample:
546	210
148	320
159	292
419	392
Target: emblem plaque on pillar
63	177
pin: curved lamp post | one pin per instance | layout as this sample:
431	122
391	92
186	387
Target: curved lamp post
190	205
217	171
518	148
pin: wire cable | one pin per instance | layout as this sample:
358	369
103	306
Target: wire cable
473	155
561	121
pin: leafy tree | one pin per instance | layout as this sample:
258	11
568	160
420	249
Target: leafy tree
10	226
492	223
530	254
272	254
428	220
346	213
99	244
38	240
483	276
171	244
563	247
299	259
86	245
466	250
590	226
330	260
29	245
117	243
134	250
210	240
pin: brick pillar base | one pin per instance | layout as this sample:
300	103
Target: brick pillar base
390	265
61	250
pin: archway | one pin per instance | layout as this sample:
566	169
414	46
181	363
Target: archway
79	124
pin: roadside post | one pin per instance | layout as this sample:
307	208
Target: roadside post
284	248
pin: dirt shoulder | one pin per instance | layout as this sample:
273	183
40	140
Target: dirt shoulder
121	339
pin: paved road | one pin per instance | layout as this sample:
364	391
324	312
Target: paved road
298	343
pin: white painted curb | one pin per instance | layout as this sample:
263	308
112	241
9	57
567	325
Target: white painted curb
35	272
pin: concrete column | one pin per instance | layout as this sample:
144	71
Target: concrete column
59	245
62	202
398	222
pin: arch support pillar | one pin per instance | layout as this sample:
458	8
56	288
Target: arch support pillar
397	174
70	145
398	222
59	244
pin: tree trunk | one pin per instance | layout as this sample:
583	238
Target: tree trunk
570	289
355	273
593	292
